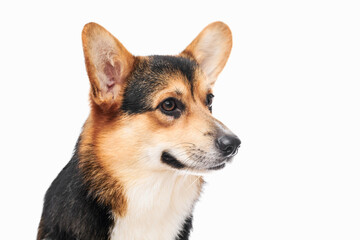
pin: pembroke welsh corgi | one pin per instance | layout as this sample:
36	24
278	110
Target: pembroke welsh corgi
136	169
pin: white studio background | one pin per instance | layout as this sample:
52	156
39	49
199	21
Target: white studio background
290	90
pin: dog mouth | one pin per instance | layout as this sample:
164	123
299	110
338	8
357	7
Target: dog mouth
173	162
170	160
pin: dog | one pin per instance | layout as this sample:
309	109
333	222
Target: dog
136	172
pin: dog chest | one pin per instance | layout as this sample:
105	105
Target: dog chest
157	207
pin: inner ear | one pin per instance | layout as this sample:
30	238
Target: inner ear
110	77
211	49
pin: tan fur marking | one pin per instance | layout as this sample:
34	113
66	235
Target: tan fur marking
106	188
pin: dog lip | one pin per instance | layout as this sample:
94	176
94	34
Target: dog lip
218	167
170	160
229	159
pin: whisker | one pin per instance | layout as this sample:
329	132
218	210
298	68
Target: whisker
197	179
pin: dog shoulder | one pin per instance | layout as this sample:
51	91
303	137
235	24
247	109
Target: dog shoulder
70	212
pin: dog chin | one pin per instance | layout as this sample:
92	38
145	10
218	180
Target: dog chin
218	167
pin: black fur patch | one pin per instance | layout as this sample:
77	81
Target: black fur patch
70	212
170	64
149	76
185	231
168	159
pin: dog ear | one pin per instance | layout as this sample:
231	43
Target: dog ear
211	49
108	65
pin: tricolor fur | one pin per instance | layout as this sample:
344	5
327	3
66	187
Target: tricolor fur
135	169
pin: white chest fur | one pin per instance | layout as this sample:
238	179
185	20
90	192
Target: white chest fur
157	207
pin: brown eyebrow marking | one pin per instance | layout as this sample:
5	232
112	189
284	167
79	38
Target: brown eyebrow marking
178	92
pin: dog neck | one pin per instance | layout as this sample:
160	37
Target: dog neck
157	206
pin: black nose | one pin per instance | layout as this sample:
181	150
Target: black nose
228	144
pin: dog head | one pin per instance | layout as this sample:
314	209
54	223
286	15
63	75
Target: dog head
154	112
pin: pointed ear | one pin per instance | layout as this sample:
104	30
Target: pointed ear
211	49
108	65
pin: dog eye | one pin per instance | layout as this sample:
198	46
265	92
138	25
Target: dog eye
168	105
171	107
209	101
